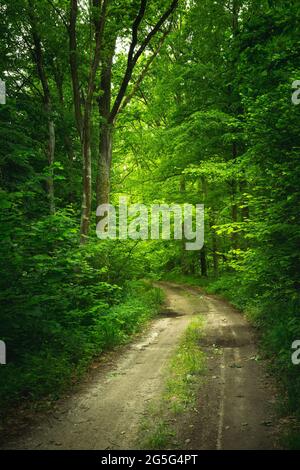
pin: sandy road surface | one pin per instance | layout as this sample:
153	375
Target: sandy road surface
105	414
234	404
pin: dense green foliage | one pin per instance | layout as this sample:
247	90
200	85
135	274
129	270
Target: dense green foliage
222	129
206	117
61	305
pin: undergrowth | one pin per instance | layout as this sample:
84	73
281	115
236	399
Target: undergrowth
57	364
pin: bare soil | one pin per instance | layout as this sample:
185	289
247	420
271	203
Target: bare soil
236	407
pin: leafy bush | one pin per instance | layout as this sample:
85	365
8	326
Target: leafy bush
62	304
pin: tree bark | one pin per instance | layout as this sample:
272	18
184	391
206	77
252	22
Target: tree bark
83	118
68	144
51	156
39	61
104	165
74	65
105	129
245	213
214	245
234	207
203	262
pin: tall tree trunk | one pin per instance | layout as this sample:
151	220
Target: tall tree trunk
235	106
234	207
39	61
87	181
245	209
73	60
183	258
182	184
234	214
236	8
214	244
83	119
66	137
68	144
202	189
203	262
104	165
106	130
51	155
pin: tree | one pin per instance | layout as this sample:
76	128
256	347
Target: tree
47	100
109	112
83	112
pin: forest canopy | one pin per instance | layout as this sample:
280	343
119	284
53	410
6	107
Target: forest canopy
164	102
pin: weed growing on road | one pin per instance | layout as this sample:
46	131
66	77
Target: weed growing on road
184	380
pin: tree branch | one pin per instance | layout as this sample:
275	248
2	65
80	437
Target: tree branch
57	10
156	28
31	82
143	73
38	54
134	56
74	64
99	30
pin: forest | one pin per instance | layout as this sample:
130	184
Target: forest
162	102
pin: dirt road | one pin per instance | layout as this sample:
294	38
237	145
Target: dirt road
234	404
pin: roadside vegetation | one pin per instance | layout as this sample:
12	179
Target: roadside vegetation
167	102
68	326
183	382
275	335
